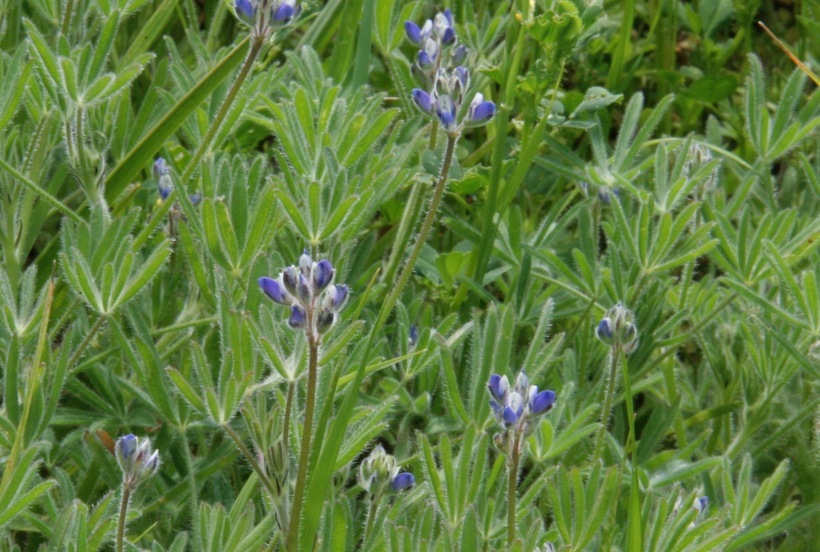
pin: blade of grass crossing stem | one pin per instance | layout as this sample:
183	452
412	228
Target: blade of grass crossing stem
142	154
624	42
150	31
361	64
345	44
485	247
634	529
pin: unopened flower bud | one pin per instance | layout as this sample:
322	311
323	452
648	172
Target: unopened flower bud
136	459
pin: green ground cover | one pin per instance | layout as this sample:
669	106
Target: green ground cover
271	273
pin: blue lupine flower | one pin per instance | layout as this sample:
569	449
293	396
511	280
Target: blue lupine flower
413	32
604	330
446	112
428	55
162	175
413	335
160	168
480	111
423	100
402	481
462	78
516	407
446	99
540	403
443	27
499	386
380	471
308	290
322	275
275	290
432	37
245	10
286	11
618	327
280	12
513	409
136	459
337	295
701	504
298	317
449	16
127	446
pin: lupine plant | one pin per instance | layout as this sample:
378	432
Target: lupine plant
516	410
536	275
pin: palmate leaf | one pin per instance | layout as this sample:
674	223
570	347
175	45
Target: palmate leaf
17	492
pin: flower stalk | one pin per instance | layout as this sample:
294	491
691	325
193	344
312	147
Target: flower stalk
617	329
516	409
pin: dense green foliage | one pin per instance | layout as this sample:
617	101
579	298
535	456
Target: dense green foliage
661	154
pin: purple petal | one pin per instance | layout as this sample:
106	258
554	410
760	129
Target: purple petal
422	100
298	317
498	387
339	296
497	411
322	274
449	15
245	9
448	121
413	32
483	111
542	402
284	13
446	111
274	290
164	191
449	36
127	444
160	168
413	335
402	481
424	59
509	416
463	76
604	330
196	199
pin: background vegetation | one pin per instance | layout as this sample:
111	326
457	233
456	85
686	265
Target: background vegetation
658	153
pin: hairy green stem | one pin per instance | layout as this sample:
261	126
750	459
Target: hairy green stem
126	496
386	308
371	519
407	270
610	393
292	541
512	486
194	498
